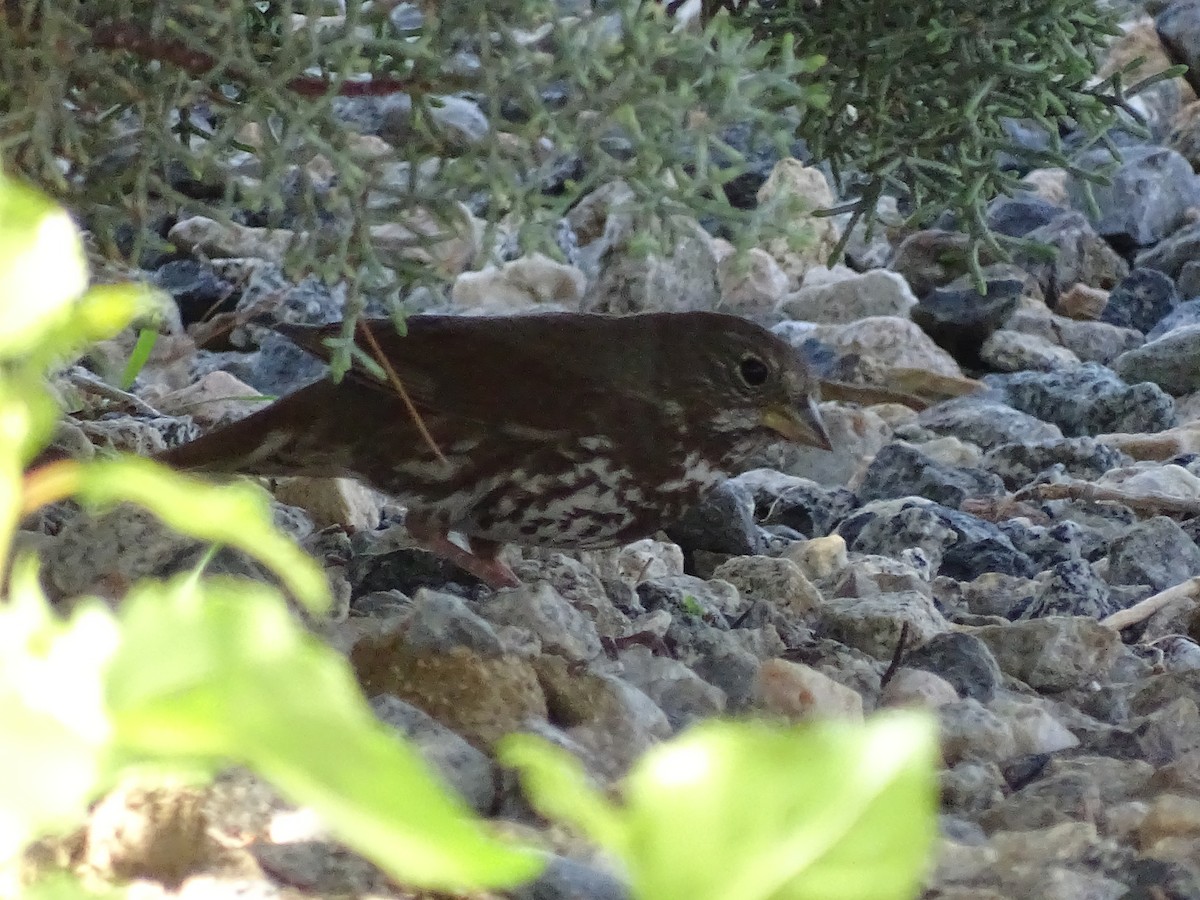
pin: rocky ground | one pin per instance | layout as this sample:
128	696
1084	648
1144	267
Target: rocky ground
1021	529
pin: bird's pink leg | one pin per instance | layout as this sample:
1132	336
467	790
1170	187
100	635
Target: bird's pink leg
482	561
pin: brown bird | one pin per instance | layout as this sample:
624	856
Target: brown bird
561	429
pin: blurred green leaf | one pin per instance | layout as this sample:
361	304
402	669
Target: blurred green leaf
146	340
52	709
27	417
236	514
747	811
42	268
249	683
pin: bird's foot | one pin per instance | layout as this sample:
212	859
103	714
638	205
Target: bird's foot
482	560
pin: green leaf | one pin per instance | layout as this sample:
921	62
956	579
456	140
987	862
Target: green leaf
559	785
236	514
42	268
52	709
27	417
146	340
747	811
221	668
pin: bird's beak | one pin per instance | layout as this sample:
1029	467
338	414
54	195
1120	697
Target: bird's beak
800	424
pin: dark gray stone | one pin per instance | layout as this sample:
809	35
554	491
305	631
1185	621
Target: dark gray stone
963	660
959	545
1185	313
960	319
1071	588
1081	256
1020	463
198	291
566	879
1141	300
901	470
985	420
1156	552
1019	215
1172	362
467	770
1150	194
722	523
1170	254
1088	400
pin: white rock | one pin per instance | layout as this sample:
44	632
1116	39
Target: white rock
522	283
800	692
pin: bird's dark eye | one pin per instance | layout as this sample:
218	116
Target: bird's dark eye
753	371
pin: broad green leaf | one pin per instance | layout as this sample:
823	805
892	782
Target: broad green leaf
560	786
220	667
52	708
237	514
42	268
27	417
147	338
747	811
66	886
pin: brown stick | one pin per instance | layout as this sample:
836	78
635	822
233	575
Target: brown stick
1151	503
1139	612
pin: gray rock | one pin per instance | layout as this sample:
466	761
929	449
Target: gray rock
1089	400
1152	191
875	293
970	731
1170	254
1171	361
1015	351
1156	552
969	788
872	624
467	770
1185	313
930	258
959	318
1019	215
1090	341
1022	462
1054	653
901	470
1082	256
722	523
568	879
1050	545
440	621
808	508
985	421
1071	588
540	609
961	659
627	282
1141	300
682	694
957	544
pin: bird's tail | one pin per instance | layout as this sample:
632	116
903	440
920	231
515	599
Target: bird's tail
279	440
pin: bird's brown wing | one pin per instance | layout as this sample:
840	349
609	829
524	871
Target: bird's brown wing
526	370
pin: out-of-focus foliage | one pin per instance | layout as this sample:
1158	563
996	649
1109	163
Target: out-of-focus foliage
136	112
924	96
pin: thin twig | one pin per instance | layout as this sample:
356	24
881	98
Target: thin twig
897	655
377	353
89	383
1149	503
1139	612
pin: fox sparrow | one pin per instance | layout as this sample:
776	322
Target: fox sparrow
558	429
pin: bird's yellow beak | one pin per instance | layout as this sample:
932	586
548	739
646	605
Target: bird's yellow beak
799	424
